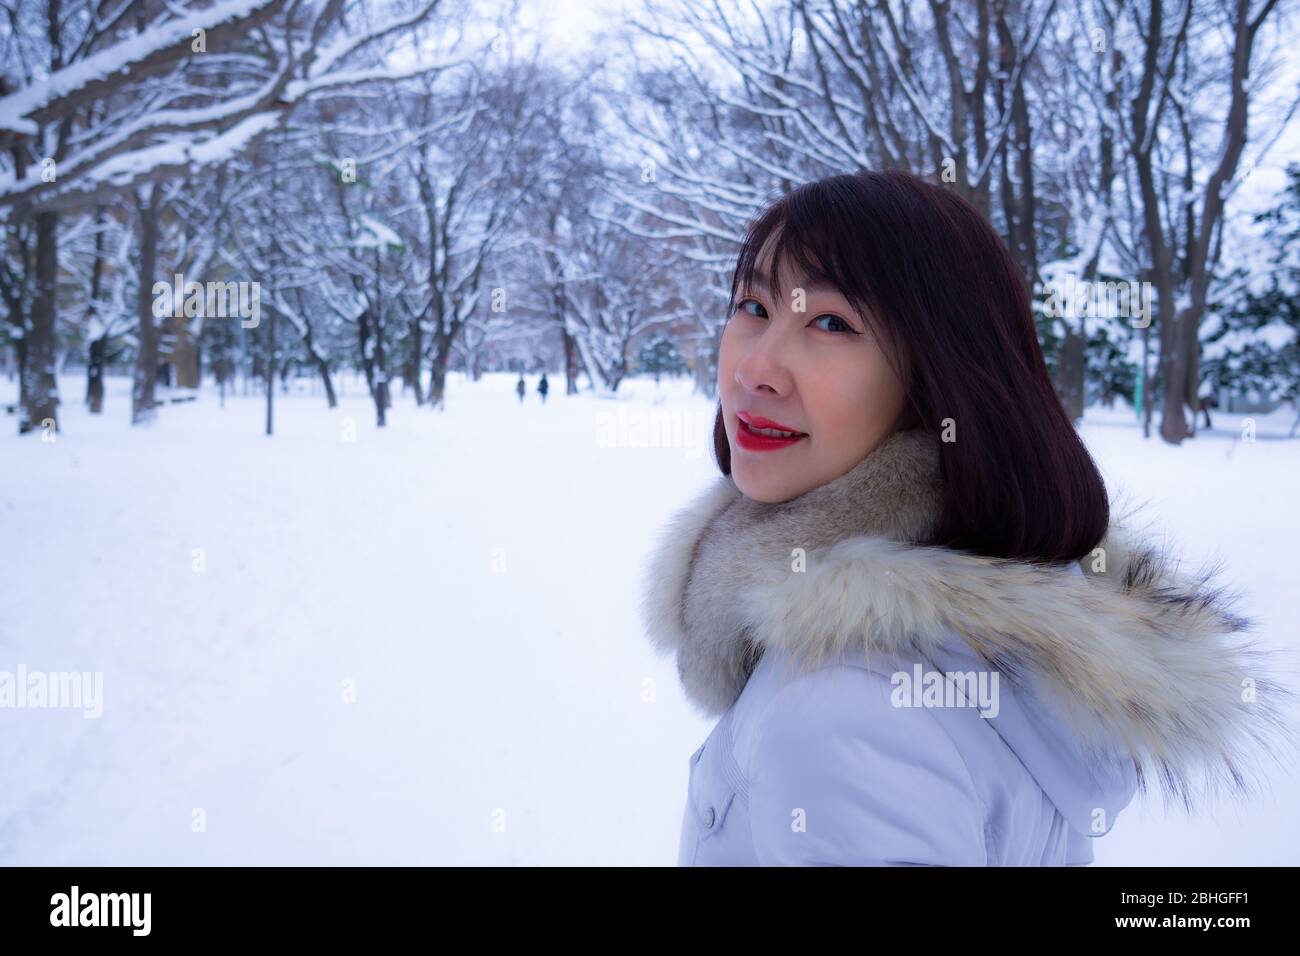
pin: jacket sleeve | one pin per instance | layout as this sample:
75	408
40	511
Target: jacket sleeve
840	776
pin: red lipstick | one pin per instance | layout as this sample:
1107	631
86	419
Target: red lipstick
751	440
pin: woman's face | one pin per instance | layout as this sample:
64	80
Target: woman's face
816	370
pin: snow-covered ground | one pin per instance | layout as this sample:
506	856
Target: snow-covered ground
422	645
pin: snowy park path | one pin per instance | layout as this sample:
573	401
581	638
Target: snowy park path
423	646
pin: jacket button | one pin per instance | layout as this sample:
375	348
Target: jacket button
709	818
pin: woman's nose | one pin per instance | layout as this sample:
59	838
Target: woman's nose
763	369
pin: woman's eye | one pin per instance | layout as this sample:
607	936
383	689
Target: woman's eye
745	307
843	326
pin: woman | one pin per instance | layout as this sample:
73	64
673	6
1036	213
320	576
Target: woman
927	639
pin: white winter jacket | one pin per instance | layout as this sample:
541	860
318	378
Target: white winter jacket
886	702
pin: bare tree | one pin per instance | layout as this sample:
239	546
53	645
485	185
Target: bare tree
1185	144
123	104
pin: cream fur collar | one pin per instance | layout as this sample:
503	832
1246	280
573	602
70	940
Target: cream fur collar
1136	653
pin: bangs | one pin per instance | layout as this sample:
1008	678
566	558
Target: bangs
809	235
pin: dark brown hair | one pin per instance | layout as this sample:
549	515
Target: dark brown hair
937	283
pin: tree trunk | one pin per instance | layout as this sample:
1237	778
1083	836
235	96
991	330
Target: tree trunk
1191	347
270	372
98	345
40	393
95	375
1173	372
381	390
572	364
412	375
143	404
438	382
181	354
1070	375
323	368
1026	203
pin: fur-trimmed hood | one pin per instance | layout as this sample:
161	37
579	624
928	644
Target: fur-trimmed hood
1129	654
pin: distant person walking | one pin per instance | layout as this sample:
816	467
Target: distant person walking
543	388
520	388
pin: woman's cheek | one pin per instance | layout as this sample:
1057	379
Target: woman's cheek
843	392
